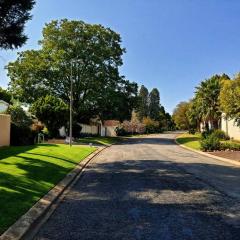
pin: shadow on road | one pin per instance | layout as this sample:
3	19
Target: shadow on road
143	199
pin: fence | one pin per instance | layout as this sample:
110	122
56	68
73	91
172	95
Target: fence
5	122
90	129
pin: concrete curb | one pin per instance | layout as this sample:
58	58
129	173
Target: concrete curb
208	155
27	221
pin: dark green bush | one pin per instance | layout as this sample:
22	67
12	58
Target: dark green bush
230	146
220	134
205	134
76	130
21	135
120	131
210	143
192	131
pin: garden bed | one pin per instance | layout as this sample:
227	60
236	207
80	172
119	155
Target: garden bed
235	155
193	141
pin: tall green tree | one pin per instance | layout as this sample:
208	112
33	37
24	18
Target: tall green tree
143	103
13	16
165	120
154	104
51	111
193	114
88	54
180	116
230	98
207	98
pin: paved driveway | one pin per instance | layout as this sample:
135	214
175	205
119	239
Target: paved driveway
150	188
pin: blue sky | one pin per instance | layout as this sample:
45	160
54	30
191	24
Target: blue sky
171	44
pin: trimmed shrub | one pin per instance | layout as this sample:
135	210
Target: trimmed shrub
210	143
192	131
76	130
120	131
21	135
231	146
220	134
205	134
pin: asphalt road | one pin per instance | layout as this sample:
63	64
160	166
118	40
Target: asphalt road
150	188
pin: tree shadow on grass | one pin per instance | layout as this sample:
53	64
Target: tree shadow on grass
6	152
18	192
184	140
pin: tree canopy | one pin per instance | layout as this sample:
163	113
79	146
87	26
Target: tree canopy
154	104
206	105
89	54
206	101
143	103
5	95
149	110
230	98
13	16
180	115
51	111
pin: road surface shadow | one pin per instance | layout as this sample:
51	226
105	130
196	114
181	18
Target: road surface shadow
143	199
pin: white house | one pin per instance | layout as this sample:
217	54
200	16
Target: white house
230	127
3	106
96	127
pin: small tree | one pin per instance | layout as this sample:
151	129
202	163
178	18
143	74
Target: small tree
21	134
151	125
52	111
19	117
180	115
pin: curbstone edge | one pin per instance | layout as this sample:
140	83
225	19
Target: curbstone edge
208	155
23	225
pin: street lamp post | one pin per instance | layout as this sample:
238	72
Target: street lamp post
73	61
71	103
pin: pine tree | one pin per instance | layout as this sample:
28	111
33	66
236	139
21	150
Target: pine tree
13	16
154	104
142	109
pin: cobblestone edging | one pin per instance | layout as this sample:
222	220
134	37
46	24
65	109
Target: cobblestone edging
209	155
23	225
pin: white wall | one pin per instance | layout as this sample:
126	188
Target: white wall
5	122
110	132
91	129
230	127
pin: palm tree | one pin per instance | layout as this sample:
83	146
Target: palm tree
207	99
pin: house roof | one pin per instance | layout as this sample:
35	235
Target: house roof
4	103
111	123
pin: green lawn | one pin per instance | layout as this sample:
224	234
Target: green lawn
190	140
27	173
99	140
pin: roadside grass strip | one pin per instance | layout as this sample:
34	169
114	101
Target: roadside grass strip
190	140
27	173
99	140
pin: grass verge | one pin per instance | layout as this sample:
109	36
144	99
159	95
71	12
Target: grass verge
190	140
99	140
27	173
